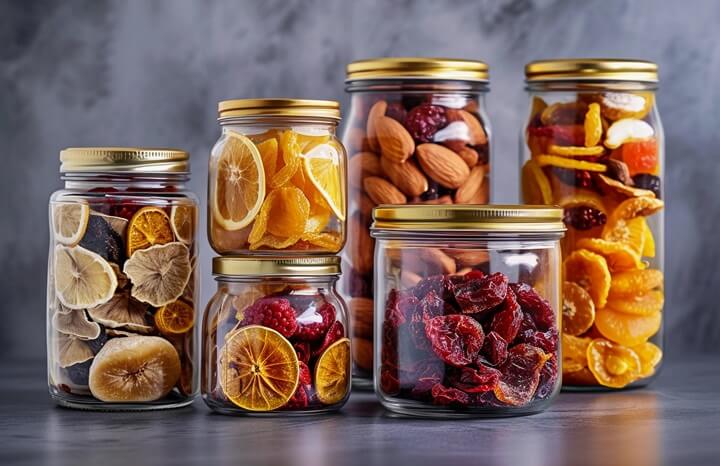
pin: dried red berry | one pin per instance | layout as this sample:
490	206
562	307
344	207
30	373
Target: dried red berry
302	349
495	349
299	400
476	296
304	377
441	285
423	121
423	387
506	322
520	374
389	381
276	313
334	333
562	135
314	322
578	178
535	305
475	380
396	111
400	307
548	379
445	396
547	340
457	339
583	217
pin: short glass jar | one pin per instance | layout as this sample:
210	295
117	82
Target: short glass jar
418	133
122	281
467	309
594	145
277	178
275	338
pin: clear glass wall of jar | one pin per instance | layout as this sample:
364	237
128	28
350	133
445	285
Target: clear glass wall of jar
277	178
594	145
122	280
275	338
417	133
479	340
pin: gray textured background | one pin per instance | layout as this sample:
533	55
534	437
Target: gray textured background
150	73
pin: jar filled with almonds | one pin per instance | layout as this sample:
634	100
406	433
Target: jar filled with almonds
593	144
417	133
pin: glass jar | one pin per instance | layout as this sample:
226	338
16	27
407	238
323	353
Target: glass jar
417	133
275	337
122	281
594	145
476	339
277	178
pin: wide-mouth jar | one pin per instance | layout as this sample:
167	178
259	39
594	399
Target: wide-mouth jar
467	309
275	337
277	178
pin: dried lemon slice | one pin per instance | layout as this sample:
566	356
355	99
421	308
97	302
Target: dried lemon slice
535	185
148	227
332	372
82	278
322	165
69	221
182	221
159	274
564	162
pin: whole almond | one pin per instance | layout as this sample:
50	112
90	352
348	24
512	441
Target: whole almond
382	191
437	257
406	176
361	310
442	165
472	185
362	165
360	245
468	257
475	128
469	155
363	353
366	206
376	111
395	142
482	196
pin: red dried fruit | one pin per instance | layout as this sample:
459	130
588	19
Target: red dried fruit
583	217
535	305
577	178
562	135
431	305
303	351
446	396
474	275
299	400
479	295
423	388
520	374
527	323
304	377
547	340
400	307
506	322
457	339
495	349
548	379
441	285
396	111
423	121
276	313
314	322
334	333
475	380
389	381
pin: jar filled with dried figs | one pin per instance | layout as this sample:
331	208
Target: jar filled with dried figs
467	309
275	338
122	280
277	178
417	133
593	144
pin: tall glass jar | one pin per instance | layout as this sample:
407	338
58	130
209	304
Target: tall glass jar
594	145
122	280
417	133
277	178
482	340
275	337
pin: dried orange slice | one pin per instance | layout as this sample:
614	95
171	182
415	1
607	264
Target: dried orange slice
574	353
148	227
290	158
69	221
239	184
535	185
259	369
575	151
578	309
332	372
269	155
650	356
635	282
325	171
182	221
590	271
642	206
175	318
613	365
618	256
626	329
643	304
564	162
649	243
630	233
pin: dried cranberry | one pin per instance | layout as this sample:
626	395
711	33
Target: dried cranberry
334	333
535	305
314	322
475	380
578	178
548	379
431	305
649	182
424	120
583	217
396	111
457	339
495	349
521	374
441	285
476	296
445	396
547	340
400	307
506	322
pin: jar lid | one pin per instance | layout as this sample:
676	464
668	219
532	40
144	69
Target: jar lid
276	266
418	68
329	109
490	218
587	69
124	160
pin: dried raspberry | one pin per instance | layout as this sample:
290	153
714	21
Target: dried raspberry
475	380
548	379
506	322
424	120
477	296
276	313
299	400
302	348
313	323
445	396
583	217
334	333
578	178
456	339
535	305
495	349
396	111
304	377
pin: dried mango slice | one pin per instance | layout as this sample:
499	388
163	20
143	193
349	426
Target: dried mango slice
576	151
590	271
593	125
630	233
535	185
650	356
564	162
613	365
627	329
328	241
574	350
643	304
274	242
289	212
578	311
290	157
635	282
269	155
618	256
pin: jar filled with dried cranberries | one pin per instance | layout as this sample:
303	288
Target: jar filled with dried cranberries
277	178
594	145
275	338
417	133
467	309
122	281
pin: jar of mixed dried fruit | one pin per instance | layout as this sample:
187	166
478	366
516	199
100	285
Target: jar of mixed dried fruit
594	145
476	339
122	281
417	133
275	337
277	178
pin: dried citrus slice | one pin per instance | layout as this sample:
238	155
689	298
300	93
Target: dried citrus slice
148	227
535	185
643	304
627	329
159	274
288	212
649	244
590	271
82	278
323	167
290	158
576	151
69	221
635	282
618	256
332	372
642	206
613	365
259	368
326	241
564	162
630	233
309	140
574	351
650	356
274	242
175	318
578	310
182	221
269	155
239	183
593	125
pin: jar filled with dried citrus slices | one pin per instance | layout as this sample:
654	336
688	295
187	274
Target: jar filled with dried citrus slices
277	178
275	337
593	144
122	280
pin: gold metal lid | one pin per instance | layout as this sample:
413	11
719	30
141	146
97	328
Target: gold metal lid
418	68
124	160
276	266
490	218
586	69
329	109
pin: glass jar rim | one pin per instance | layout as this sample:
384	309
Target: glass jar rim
124	160
447	69
244	266
591	69
279	107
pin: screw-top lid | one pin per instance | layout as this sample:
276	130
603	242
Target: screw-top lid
587	69
418	68
329	109
124	160
277	266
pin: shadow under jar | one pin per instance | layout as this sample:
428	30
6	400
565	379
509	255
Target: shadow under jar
594	146
122	281
481	340
275	338
277	178
417	133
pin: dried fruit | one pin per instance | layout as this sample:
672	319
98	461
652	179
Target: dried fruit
576	151
478	295
535	185
314	322
122	311
627	329
476	380
612	365
578	309
574	352
274	313
590	271
635	282
442	165
182	221
627	130
642	304
159	274
583	217
564	113
424	120
322	165
72	350
640	156
650	356
448	396
495	349
148	227
611	186
565	135
395	142
565	162
334	333
520	374
593	125
506	322
543	315
332	373
76	323
102	239
82	278
578	178
456	339
175	318
649	182
69	221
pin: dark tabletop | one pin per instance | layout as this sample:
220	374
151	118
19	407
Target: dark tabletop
675	421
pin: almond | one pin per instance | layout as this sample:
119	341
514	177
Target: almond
395	142
376	111
468	257
360	244
409	279
482	196
469	155
442	165
437	257
461	272
362	165
474	182
361	310
362	349
406	176
475	128
355	140
382	191
366	206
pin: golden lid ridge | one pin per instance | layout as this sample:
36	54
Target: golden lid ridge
124	160
242	266
235	108
585	69
418	68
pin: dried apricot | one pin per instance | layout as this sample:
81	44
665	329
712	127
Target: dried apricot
565	162
593	125
578	309
627	329
576	151
636	207
574	350
630	233
535	185
650	356
290	157
590	271
268	154
289	212
635	282
642	304
618	256
613	365
640	156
